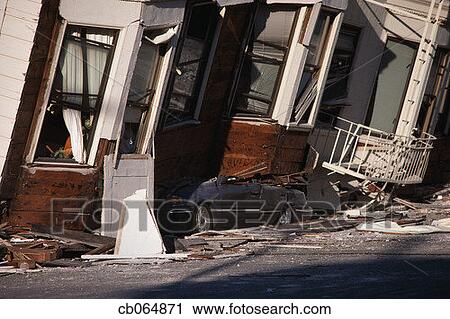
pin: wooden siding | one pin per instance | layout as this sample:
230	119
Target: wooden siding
18	105
18	24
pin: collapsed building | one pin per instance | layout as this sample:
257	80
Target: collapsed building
102	98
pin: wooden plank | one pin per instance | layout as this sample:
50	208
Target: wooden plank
4	145
69	220
43	203
74	236
11	88
6	127
18	28
102	249
2	12
30	7
8	107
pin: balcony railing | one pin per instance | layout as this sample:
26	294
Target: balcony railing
370	154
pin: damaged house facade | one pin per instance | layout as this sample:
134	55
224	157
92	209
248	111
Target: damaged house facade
102	98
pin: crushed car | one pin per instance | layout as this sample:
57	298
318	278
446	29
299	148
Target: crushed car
227	202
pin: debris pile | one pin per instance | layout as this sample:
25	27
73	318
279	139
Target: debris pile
25	249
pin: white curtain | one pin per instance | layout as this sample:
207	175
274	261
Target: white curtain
72	82
71	68
72	119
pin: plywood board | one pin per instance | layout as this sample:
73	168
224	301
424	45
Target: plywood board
133	172
138	234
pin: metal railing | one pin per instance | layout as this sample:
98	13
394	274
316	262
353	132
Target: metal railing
378	156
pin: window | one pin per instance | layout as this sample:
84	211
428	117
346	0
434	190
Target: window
308	88
190	62
435	105
341	65
141	93
76	95
263	60
390	88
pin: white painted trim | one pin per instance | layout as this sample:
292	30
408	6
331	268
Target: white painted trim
311	26
323	75
162	81
3	6
119	79
294	65
209	64
40	109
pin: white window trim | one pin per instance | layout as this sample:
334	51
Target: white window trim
41	109
116	88
34	138
295	63
160	89
323	74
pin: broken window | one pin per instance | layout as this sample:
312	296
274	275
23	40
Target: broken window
307	91
76	94
264	59
391	85
142	90
341	64
190	62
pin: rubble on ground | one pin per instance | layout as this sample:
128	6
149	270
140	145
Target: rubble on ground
29	249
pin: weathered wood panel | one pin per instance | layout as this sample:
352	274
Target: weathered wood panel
252	145
49	196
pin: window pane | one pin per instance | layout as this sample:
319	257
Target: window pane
307	90
318	38
263	59
272	31
143	72
71	114
184	85
192	57
341	64
393	77
70	77
139	96
258	80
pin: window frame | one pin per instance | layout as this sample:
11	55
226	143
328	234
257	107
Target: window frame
356	32
47	89
326	56
231	110
154	80
202	72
